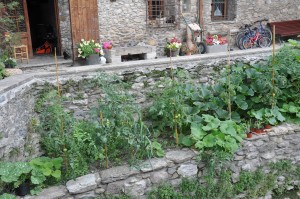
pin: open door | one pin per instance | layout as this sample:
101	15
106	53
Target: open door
21	26
84	21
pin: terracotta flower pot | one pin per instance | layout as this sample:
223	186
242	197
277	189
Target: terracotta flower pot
253	129
268	126
258	131
249	135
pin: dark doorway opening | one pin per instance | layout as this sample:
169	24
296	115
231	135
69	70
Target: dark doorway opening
43	20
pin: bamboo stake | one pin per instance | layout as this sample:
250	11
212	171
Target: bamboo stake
273	71
229	78
61	119
105	147
172	75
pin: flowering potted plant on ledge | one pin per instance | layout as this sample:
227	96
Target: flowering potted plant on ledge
216	44
107	48
172	47
90	51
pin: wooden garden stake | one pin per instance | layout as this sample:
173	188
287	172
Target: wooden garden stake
61	119
229	78
105	147
273	71
172	75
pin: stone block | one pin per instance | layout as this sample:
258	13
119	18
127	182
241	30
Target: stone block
82	184
153	164
179	156
115	187
187	170
117	173
87	195
159	176
52	193
136	189
268	155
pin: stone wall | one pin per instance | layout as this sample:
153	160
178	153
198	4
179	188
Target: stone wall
124	21
16	111
65	25
251	11
280	143
17	103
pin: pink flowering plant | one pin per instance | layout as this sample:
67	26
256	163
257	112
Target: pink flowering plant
107	45
87	48
215	40
173	44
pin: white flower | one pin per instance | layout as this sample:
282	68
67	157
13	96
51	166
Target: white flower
82	40
80	45
93	40
79	55
101	52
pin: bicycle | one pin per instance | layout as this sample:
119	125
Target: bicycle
247	32
257	39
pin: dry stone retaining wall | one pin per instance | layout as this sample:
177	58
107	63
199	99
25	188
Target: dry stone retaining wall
17	103
282	142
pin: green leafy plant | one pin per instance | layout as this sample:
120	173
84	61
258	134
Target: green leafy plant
169	106
37	171
291	110
44	167
7	196
212	133
15	173
2	71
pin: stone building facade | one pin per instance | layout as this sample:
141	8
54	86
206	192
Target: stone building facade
125	21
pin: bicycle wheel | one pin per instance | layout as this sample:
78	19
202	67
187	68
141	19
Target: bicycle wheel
264	41
238	37
240	43
201	47
266	32
247	43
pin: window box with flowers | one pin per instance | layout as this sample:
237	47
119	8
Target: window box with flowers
172	48
90	51
216	44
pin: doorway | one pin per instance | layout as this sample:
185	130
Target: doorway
44	26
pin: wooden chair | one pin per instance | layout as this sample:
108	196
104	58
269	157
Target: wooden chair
21	52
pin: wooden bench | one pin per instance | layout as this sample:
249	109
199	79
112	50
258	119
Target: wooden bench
286	28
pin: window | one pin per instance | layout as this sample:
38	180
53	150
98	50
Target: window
222	10
161	13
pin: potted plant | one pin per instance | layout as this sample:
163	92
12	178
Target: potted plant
172	47
20	175
216	44
248	129
258	126
16	174
107	48
10	62
90	51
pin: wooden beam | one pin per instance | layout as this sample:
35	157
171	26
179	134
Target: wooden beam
26	18
57	24
201	13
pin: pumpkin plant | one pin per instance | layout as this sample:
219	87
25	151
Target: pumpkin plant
212	133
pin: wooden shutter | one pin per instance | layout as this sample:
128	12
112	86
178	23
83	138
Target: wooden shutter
84	21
